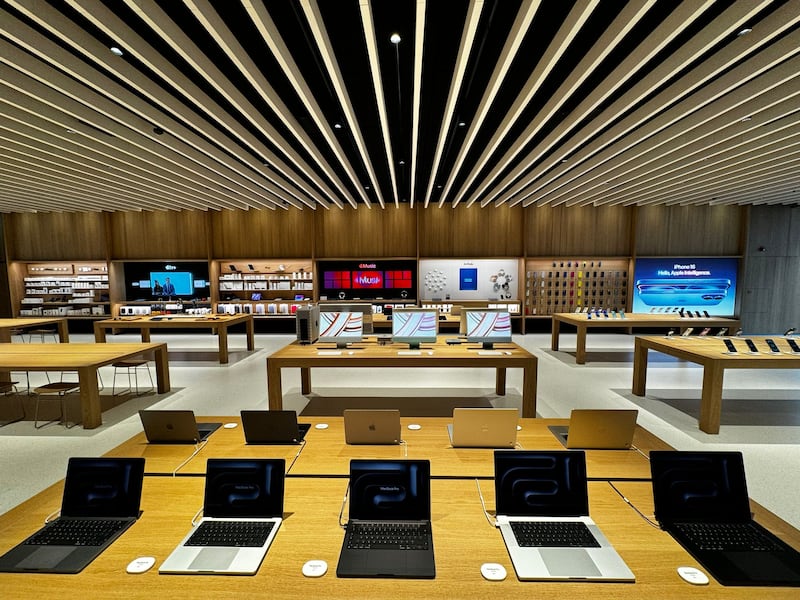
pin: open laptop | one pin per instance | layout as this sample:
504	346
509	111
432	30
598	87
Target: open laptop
598	429
174	427
703	494
371	426
483	428
388	531
273	427
543	514
100	502
242	511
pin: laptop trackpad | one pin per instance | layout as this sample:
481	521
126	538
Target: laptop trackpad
387	563
762	566
45	557
213	559
569	562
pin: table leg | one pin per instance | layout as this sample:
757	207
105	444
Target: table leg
711	397
222	338
63	331
580	350
500	382
554	335
251	334
90	398
161	358
639	368
305	380
529	385
274	387
146	335
99	334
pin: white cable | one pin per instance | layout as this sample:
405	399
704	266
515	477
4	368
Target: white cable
341	511
486	514
197	449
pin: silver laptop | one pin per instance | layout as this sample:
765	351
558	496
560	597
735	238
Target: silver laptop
598	429
372	426
174	427
483	428
242	511
543	515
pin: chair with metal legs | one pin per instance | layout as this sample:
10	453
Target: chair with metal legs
56	388
43	333
131	368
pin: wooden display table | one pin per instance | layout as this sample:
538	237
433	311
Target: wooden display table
219	324
8	325
85	359
582	323
710	354
370	354
463	540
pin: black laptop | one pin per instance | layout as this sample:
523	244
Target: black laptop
174	427
389	526
273	427
101	500
701	500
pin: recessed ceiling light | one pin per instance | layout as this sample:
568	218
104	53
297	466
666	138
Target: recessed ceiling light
462	124
395	38
366	187
401	163
744	31
337	125
115	50
743	119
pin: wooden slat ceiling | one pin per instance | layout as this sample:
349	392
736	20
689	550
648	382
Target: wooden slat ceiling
309	105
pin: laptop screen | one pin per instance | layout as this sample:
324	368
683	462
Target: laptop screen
699	486
541	483
244	488
390	490
103	487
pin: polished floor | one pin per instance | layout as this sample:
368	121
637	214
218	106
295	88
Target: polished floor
761	409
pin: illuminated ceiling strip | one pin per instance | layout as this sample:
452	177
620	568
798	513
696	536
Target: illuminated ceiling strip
314	18
462	60
269	31
419	48
371	42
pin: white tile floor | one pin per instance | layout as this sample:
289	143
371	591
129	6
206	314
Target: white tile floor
761	409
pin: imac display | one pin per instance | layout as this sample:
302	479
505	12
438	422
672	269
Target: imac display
487	326
340	328
679	284
415	326
360	307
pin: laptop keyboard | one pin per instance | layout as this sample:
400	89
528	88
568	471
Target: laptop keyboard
242	534
77	532
727	536
540	534
392	536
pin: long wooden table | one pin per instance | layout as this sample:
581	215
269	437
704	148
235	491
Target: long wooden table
370	354
463	540
582	323
8	325
218	324
326	454
85	359
711	354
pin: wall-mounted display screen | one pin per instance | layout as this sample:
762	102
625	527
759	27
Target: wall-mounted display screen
664	285
149	281
362	279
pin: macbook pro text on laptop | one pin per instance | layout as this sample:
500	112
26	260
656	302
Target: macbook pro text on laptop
174	427
272	427
388	531
100	502
483	428
598	429
242	511
543	515
368	426
701	500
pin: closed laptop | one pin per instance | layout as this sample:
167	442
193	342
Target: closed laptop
272	427
484	427
598	429
371	426
174	427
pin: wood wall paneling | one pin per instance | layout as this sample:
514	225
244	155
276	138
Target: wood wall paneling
159	234
364	232
583	231
56	236
690	230
262	233
471	232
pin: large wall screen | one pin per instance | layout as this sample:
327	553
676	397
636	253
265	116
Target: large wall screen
368	279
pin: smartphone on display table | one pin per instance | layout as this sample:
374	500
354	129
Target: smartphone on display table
793	345
772	346
751	346
731	348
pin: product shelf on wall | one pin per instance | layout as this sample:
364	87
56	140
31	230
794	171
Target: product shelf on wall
555	285
62	289
273	289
